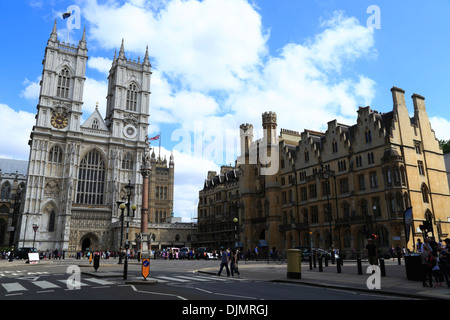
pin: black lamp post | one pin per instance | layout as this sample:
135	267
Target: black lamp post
121	206
326	176
35	228
129	189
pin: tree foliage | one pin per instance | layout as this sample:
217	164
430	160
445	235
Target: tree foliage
445	145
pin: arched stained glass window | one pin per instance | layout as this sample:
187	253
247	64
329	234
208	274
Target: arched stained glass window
91	179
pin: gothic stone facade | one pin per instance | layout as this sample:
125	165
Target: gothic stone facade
78	171
378	168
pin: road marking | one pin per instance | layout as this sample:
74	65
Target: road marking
194	278
45	284
171	279
15	286
99	281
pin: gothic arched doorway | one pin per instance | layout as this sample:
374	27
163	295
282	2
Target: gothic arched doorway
86	244
89	242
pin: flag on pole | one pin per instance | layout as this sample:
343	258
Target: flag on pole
155	138
66	15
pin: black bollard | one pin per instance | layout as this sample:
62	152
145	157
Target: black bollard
338	265
314	261
358	262
96	262
382	267
320	264
326	261
399	260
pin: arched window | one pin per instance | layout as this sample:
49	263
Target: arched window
95	124
368	135
131	97
62	89
51	221
127	162
6	190
424	193
91	179
55	154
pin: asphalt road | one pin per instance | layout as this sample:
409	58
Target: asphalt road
177	281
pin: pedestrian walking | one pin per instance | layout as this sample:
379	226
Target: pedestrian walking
426	264
436	270
234	263
224	262
372	252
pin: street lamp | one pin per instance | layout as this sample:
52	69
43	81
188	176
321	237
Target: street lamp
129	189
326	176
121	206
35	228
25	233
236	237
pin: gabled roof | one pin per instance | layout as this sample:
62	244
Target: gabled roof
88	124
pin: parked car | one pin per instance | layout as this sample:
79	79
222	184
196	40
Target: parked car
22	253
305	252
201	253
184	253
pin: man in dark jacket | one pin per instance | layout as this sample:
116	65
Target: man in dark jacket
224	263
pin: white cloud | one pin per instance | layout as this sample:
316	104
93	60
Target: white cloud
207	45
441	127
17	131
94	91
100	64
32	89
189	177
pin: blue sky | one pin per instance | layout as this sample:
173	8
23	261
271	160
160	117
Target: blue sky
220	63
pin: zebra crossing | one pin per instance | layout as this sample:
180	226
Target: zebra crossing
193	278
38	285
18	287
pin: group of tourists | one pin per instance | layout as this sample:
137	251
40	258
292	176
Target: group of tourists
435	258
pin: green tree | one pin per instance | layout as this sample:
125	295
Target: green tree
445	145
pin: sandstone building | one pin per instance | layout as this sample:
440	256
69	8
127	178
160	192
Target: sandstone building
340	187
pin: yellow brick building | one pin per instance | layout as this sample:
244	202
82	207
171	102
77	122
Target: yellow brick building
340	187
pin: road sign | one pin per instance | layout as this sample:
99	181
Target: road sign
145	268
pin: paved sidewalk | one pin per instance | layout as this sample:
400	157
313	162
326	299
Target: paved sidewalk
394	283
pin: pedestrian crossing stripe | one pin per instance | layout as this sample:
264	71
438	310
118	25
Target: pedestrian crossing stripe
46	285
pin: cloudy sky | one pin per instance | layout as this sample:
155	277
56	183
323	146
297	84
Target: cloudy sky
220	63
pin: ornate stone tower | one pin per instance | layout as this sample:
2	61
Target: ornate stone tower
127	107
77	172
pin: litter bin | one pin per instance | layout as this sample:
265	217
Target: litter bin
413	266
294	264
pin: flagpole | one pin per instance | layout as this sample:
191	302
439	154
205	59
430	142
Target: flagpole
160	145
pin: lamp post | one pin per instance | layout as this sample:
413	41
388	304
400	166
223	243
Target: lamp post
129	189
35	228
121	206
326	176
236	236
25	233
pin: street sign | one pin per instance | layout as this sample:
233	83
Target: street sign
145	268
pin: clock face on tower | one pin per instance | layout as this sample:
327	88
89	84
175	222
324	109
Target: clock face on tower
59	121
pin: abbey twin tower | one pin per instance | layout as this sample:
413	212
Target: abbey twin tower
79	172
